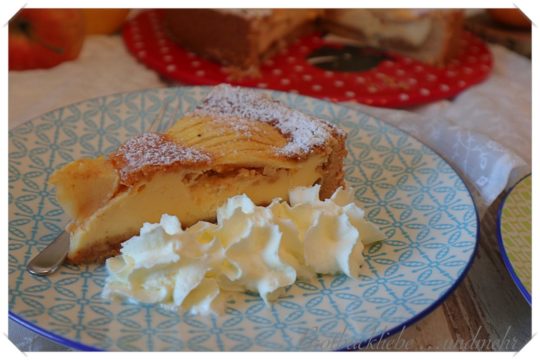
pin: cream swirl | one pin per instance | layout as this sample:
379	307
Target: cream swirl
251	248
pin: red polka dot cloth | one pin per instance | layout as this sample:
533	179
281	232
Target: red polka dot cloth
317	67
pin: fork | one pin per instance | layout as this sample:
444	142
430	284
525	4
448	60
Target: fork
48	260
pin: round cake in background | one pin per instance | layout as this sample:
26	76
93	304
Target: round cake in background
319	66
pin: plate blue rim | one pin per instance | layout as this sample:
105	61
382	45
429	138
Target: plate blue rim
355	346
504	254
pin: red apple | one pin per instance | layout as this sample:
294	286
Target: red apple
43	38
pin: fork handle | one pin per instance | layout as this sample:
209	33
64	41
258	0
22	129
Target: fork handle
50	258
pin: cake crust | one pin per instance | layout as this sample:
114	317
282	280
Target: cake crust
144	155
239	38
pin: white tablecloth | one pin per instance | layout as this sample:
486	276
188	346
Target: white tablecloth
485	132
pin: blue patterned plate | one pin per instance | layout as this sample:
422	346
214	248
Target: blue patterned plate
406	189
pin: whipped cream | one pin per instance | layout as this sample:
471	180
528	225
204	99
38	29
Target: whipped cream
251	248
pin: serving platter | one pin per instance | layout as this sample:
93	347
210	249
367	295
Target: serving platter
412	194
350	73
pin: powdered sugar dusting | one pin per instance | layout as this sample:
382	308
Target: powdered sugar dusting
153	151
232	104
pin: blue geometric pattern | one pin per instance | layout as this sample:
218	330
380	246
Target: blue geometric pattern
413	195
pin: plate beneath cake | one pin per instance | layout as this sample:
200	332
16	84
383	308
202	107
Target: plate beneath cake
412	194
324	68
514	234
